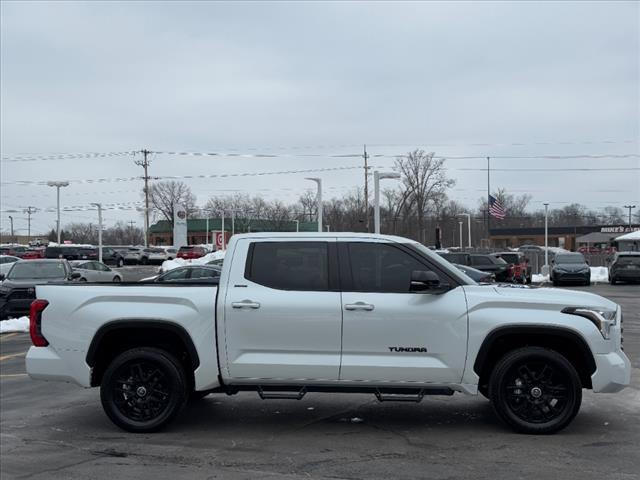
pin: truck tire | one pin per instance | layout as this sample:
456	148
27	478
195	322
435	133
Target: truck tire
143	389
535	390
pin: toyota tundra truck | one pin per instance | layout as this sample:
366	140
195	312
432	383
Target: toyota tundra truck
329	312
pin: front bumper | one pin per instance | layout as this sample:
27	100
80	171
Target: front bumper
562	277
613	372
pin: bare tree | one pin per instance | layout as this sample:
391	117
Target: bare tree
164	195
424	183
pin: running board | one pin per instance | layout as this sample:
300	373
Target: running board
415	397
282	395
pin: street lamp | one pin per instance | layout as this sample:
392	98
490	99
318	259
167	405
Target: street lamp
460	224
11	220
58	185
468	215
297	225
318	199
630	207
377	176
546	239
99	205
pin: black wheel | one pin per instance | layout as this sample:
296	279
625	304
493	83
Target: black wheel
535	390
143	389
117	279
555	282
613	281
144	261
120	263
83	279
529	279
587	283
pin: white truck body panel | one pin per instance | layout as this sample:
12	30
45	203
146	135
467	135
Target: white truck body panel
310	337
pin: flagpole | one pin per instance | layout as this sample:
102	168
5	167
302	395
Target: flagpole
488	203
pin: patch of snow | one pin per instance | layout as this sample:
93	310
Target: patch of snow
180	262
14	325
538	278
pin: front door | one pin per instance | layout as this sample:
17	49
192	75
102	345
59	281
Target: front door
282	311
394	334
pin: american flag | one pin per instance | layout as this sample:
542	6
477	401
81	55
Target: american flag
495	208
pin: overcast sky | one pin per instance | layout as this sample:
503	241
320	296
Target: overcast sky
459	79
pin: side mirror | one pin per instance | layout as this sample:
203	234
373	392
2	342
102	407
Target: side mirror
424	280
75	275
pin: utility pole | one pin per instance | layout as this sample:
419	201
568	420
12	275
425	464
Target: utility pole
131	224
145	162
99	205
630	207
488	202
366	188
11	220
29	211
58	186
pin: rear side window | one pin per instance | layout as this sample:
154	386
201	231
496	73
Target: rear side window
289	265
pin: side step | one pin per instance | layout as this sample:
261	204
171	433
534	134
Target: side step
415	396
281	395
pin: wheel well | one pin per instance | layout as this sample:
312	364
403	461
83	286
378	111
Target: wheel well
563	341
116	337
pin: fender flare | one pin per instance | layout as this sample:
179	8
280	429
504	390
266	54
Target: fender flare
127	324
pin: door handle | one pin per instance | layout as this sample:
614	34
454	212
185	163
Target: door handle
359	306
245	304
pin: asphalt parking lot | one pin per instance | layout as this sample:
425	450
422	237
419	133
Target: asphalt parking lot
53	430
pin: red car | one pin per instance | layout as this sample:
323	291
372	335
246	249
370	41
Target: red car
190	252
33	254
584	250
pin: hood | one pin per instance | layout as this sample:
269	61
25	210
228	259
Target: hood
534	298
571	267
30	282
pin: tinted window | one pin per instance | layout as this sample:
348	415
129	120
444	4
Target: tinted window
378	267
481	261
25	270
628	260
8	259
289	265
570	258
200	272
177	274
101	267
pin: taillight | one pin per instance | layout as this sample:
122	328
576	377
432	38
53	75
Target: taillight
35	323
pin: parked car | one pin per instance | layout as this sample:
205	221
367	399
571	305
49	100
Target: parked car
93	271
191	252
33	254
497	266
171	252
13	250
570	267
459	258
112	256
475	274
531	248
71	252
589	249
6	262
338	312
133	255
153	255
17	290
520	269
188	274
625	268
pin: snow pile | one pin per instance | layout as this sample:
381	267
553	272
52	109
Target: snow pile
14	325
598	275
179	262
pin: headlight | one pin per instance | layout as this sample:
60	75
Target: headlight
602	319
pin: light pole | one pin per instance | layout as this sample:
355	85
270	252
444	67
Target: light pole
460	224
58	185
297	225
377	176
11	221
99	206
630	207
318	199
224	237
468	215
546	239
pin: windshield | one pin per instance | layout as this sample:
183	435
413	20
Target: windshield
573	259
27	270
443	264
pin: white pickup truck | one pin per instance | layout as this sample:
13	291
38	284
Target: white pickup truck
298	313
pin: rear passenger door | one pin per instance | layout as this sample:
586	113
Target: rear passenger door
282	311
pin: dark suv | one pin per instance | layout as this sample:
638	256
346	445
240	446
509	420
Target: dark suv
625	268
17	289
